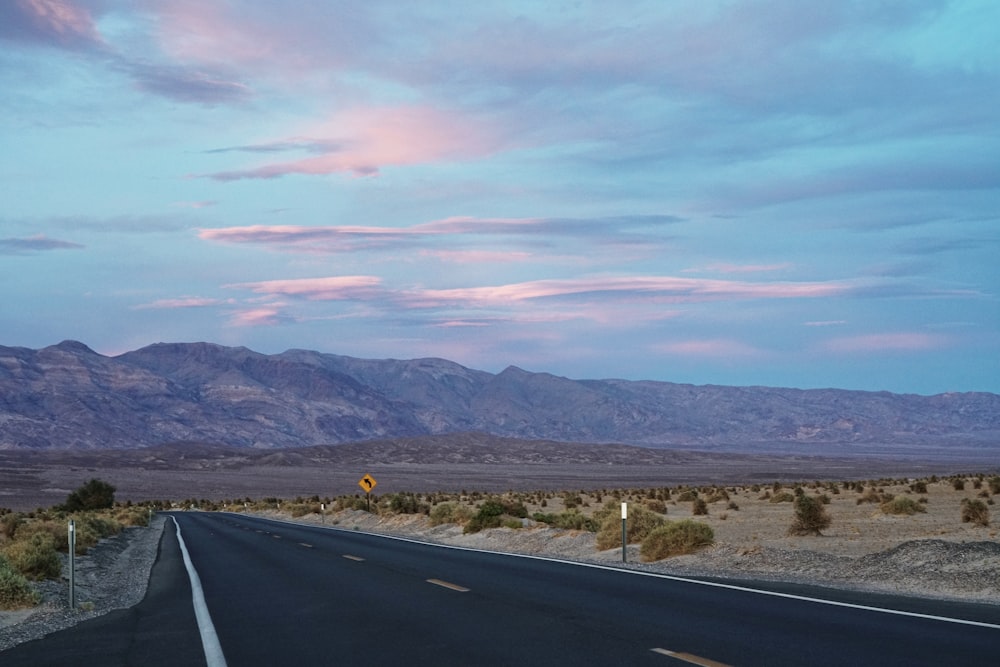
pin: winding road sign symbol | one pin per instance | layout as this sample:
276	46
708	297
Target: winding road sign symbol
367	483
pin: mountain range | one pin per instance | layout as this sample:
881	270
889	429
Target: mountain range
68	396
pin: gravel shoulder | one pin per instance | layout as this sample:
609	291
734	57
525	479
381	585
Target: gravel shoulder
112	575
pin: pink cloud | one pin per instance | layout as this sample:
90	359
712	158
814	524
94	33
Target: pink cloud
264	36
367	140
334	288
825	323
612	301
59	22
665	288
713	347
478	256
742	268
256	317
183	302
887	342
196	204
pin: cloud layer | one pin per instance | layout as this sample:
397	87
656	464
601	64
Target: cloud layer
767	192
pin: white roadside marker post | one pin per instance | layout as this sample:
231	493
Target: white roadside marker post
72	564
624	519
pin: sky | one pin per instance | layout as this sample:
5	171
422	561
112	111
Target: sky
762	192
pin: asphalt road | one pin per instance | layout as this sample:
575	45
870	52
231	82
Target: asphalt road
285	594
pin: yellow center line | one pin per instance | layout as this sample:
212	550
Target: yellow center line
688	657
446	584
357	558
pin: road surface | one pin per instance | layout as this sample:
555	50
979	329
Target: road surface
285	594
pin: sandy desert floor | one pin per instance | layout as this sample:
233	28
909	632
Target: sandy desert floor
933	553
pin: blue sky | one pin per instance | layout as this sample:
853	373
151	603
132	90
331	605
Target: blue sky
769	192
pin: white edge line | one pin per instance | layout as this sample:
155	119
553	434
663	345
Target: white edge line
658	575
209	639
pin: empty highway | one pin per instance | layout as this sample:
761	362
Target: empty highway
274	593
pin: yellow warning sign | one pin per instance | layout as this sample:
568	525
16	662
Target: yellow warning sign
367	483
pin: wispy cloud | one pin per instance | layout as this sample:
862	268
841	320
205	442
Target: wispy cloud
205	203
264	316
722	267
658	289
183	302
664	289
70	25
332	288
478	256
717	348
59	23
363	141
289	145
348	238
33	244
886	342
185	84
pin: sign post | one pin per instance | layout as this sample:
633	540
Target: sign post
367	483
624	531
72	564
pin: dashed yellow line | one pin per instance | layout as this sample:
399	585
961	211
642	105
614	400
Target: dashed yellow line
448	584
690	657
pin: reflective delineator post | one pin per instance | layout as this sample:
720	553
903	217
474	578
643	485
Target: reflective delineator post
624	519
72	564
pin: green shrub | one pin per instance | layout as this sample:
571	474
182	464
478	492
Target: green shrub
870	495
994	484
958	484
640	523
133	516
567	520
94	495
494	512
675	538
57	531
15	591
296	510
902	505
449	512
810	517
717	495
91	529
687	496
35	556
975	511
783	497
657	506
699	507
9	525
919	487
407	503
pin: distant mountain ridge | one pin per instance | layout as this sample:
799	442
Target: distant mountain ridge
68	396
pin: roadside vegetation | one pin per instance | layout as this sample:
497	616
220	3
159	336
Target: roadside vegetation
31	542
664	521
